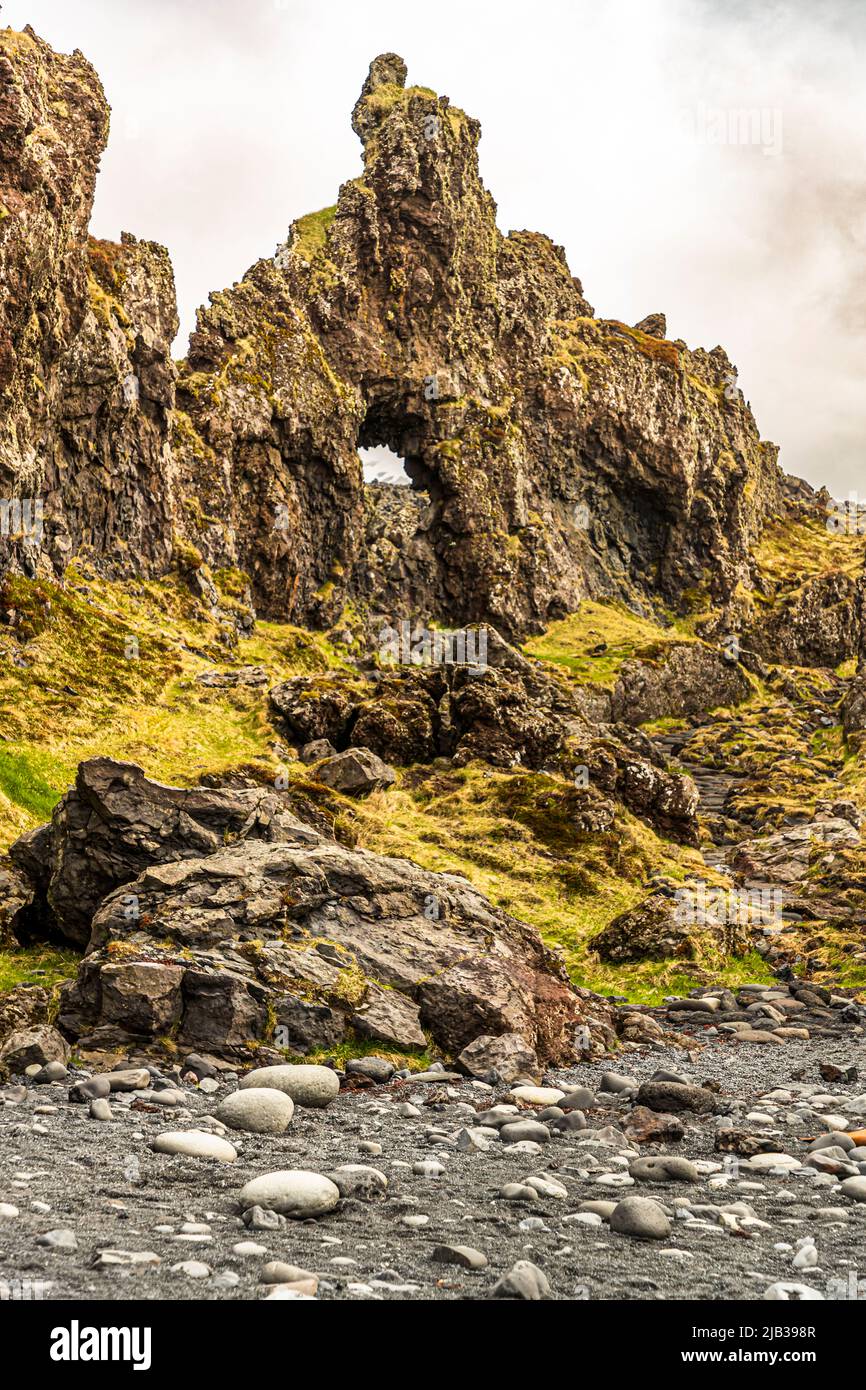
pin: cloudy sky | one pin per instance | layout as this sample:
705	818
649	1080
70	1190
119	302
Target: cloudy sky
702	157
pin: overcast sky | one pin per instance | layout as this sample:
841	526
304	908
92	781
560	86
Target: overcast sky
601	126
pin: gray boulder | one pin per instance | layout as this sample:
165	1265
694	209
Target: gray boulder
30	1047
115	823
355	772
509	1056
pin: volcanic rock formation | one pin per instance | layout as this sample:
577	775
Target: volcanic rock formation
218	918
553	455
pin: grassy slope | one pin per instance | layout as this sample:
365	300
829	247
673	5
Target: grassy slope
512	835
76	694
790	552
592	643
70	691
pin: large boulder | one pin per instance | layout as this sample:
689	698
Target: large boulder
786	857
33	1047
250	920
115	822
389	1016
510	1057
356	772
686	678
23	1007
653	930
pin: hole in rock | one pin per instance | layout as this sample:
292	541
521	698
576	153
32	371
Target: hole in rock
382	465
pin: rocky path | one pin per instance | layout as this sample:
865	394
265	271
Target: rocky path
772	865
722	1171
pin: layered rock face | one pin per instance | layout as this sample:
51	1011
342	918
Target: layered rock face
510	713
217	918
114	822
53	129
86	377
557	455
109	476
819	624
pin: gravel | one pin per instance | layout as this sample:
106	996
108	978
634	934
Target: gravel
141	1219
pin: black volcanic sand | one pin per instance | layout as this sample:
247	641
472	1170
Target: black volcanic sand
102	1181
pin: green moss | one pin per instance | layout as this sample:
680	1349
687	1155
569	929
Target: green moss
412	1059
714	394
592	643
28	779
185	554
36	965
108	309
576	345
350	986
658	350
15	44
232	582
107	262
310	233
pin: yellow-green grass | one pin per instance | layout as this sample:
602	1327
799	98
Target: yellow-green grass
311	231
621	634
789	552
36	965
74	684
411	1058
514	836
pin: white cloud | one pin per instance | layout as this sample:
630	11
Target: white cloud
231	117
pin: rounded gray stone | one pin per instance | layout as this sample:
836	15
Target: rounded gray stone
614	1082
522	1130
291	1192
258	1110
311	1086
358	1180
663	1168
579	1099
194	1143
640	1217
463	1255
523	1281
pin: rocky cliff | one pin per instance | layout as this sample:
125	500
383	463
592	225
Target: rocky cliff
86	377
196	576
559	455
555	455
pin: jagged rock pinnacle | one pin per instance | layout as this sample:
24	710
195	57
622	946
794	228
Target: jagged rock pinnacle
654	325
388	69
